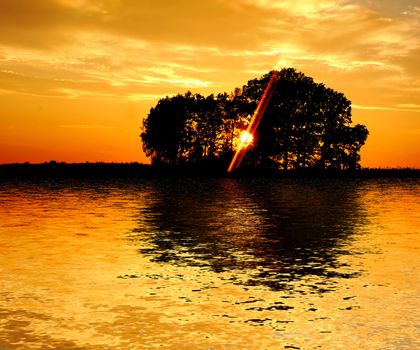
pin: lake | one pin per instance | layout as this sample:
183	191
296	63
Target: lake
209	264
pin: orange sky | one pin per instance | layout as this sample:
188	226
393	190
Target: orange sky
78	76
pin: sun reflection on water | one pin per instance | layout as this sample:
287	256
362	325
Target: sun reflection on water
221	264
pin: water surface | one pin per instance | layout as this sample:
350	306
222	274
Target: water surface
209	264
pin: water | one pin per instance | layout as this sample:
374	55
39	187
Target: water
209	264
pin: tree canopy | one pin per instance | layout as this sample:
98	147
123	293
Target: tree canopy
305	126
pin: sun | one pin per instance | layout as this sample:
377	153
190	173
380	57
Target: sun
245	140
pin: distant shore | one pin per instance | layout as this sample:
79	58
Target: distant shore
138	170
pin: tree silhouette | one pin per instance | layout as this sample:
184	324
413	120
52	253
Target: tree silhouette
306	126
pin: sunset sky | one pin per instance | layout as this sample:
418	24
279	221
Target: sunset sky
78	76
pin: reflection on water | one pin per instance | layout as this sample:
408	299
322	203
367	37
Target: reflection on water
209	264
277	232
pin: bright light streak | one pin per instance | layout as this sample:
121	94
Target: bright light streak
255	120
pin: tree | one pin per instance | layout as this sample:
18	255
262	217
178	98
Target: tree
165	135
306	125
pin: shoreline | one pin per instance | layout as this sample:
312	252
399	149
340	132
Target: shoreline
139	170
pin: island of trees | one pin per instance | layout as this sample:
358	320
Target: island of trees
306	127
306	131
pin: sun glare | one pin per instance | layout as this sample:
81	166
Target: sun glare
245	139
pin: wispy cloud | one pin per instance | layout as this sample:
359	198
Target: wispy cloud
409	106
399	108
145	97
117	48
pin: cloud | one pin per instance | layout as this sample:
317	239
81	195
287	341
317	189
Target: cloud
409	105
399	108
100	72
39	24
52	23
72	49
145	97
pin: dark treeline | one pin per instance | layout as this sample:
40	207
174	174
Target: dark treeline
55	169
137	170
306	131
306	127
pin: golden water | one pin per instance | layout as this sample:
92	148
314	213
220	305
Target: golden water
210	264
